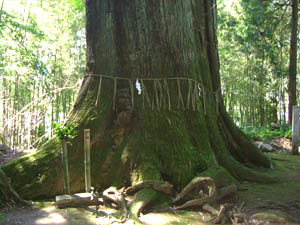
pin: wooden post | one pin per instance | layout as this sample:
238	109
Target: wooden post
65	165
87	160
296	130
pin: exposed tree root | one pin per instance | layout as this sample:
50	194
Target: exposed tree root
112	195
207	195
203	187
9	193
157	185
140	201
200	192
220	215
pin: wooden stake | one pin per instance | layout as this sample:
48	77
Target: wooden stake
66	166
87	160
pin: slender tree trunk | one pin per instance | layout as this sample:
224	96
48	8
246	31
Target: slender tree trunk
4	111
242	110
293	61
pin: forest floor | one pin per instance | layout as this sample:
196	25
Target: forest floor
277	203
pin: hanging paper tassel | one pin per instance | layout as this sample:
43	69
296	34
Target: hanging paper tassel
146	95
143	93
168	92
162	99
115	93
99	91
198	96
194	96
189	95
204	101
180	99
156	94
131	92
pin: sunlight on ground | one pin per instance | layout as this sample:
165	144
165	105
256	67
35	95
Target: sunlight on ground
159	219
70	216
53	218
180	217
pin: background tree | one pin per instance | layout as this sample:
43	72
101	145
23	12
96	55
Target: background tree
254	42
42	55
293	60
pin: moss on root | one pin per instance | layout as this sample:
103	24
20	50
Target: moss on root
29	173
220	175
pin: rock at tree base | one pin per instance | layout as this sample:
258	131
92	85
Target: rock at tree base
275	125
76	200
265	147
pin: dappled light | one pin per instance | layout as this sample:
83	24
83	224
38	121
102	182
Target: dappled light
52	218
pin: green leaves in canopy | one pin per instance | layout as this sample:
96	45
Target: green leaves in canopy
78	4
9	21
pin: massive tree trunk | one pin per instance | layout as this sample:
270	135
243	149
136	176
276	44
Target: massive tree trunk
292	90
163	130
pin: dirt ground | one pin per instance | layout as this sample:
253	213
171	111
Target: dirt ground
277	203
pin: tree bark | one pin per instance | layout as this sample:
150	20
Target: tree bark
7	191
293	61
156	135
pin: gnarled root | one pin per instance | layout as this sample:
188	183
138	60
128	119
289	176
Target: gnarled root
144	193
201	189
112	195
157	185
200	192
8	191
203	192
141	200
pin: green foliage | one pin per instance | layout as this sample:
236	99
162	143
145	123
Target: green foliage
77	4
254	54
64	131
288	134
11	22
42	58
266	133
43	204
2	217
